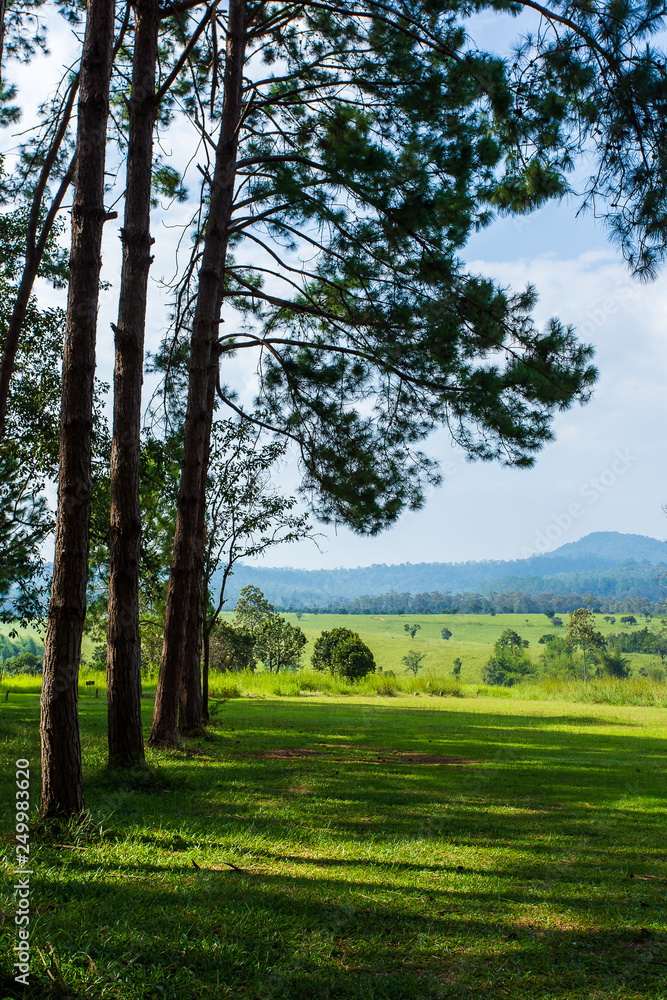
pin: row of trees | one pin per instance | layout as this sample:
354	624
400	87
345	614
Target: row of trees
506	602
373	138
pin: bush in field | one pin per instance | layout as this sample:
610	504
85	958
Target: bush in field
510	663
558	655
352	659
325	645
341	651
24	663
98	660
654	672
231	649
457	667
613	663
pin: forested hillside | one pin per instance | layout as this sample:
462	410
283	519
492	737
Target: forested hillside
577	571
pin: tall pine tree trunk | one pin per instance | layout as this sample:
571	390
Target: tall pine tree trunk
179	679
62	787
126	743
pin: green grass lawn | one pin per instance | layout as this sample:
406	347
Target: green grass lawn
357	849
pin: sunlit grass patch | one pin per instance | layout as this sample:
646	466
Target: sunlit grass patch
366	847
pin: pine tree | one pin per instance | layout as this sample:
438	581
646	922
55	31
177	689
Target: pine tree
62	786
378	144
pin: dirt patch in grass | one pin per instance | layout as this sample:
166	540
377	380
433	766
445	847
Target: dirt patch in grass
383	756
427	758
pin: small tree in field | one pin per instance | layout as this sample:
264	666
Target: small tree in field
252	610
325	645
557	656
279	644
411	629
413	661
456	670
231	649
581	632
511	640
446	634
510	663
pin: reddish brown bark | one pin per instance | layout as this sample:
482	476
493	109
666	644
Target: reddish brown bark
126	742
179	678
62	787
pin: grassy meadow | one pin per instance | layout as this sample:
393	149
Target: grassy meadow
366	848
472	641
472	637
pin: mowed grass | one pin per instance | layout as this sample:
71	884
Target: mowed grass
357	849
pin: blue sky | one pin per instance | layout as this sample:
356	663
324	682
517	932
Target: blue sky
605	469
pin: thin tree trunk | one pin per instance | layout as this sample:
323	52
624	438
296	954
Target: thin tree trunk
206	659
62	786
126	741
182	636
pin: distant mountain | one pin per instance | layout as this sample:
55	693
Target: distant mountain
614	547
604	562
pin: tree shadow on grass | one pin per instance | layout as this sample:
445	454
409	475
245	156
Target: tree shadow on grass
353	884
292	936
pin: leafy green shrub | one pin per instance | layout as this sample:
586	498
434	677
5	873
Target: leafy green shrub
509	664
558	656
654	672
387	687
446	688
24	663
351	658
613	663
325	645
341	651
